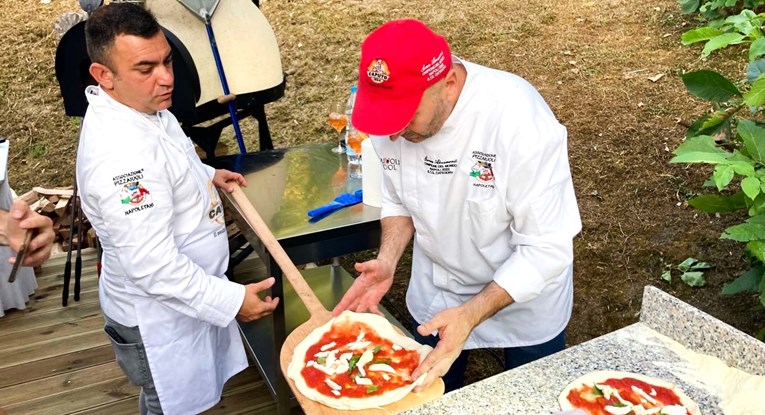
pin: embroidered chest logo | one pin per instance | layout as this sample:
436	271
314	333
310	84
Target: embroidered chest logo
133	194
390	163
482	170
215	213
378	71
439	167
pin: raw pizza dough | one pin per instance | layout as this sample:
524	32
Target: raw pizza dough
600	376
383	329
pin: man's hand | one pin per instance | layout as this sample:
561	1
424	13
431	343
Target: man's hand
453	326
223	176
366	292
21	219
253	307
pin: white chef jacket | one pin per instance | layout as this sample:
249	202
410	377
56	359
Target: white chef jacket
492	199
165	249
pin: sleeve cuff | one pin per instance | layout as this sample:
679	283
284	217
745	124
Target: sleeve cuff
221	302
391	209
520	279
210	171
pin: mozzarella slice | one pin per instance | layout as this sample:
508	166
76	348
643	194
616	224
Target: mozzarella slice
381	367
365	358
324	369
638	410
363	381
385	376
332	385
336	393
644	395
360	336
331	359
618	410
357	345
673	410
396	347
320	354
607	390
328	346
622	400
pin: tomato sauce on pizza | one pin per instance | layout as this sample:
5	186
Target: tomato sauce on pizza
352	361
624	395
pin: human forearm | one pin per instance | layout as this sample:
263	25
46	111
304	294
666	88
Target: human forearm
397	231
486	303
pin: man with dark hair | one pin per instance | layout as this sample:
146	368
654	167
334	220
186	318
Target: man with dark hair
169	309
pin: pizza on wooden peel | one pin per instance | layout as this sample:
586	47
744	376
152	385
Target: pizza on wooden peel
356	361
623	393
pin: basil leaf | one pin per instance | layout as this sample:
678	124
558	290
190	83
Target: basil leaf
596	391
382	361
371	389
376	349
321	360
352	363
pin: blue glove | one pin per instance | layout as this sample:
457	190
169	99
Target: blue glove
345	199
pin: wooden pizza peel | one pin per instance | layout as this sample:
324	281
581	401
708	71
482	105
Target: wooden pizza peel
319	316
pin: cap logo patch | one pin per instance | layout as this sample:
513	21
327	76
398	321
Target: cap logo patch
378	71
434	68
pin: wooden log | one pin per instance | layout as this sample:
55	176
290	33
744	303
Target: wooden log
61	206
43	204
29	197
91	237
56	191
64	219
57	224
37	206
50	207
64	233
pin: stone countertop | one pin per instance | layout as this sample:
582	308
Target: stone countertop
660	345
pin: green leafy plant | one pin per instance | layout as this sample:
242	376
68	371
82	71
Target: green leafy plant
692	272
730	137
714	9
733	141
745	27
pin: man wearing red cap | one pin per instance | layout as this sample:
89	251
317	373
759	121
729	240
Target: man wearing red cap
481	180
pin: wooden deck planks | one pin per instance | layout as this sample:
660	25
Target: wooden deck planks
52	366
62	383
36	318
56	360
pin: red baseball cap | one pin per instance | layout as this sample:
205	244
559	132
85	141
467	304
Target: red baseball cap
399	61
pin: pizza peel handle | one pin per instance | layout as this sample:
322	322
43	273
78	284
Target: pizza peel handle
303	290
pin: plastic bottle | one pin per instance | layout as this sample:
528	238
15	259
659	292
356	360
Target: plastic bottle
353	139
351	102
349	111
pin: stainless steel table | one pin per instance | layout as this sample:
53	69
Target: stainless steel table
283	185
